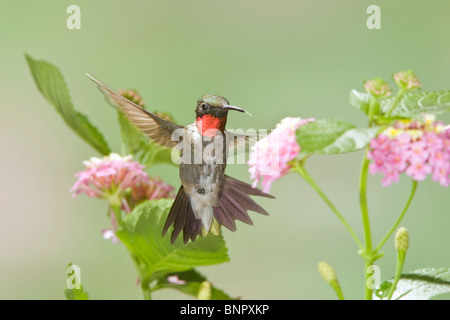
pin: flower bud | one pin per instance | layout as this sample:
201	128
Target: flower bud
327	272
407	80
378	88
402	240
133	96
204	292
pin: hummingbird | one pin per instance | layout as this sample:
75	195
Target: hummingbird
206	192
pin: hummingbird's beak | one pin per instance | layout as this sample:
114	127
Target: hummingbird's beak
228	107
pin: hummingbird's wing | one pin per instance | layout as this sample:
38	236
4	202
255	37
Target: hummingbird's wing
158	129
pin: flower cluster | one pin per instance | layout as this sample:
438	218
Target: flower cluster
121	181
270	156
417	148
378	87
109	177
133	96
407	80
155	188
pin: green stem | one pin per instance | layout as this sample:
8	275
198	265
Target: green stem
144	284
147	293
368	254
372	109
300	169
400	94
117	213
337	288
363	203
399	219
368	292
398	271
123	148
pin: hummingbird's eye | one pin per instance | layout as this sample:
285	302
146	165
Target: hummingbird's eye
204	106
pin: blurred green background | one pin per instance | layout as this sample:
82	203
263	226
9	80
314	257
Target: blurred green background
274	58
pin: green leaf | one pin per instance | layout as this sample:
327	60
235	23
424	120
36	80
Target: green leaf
141	232
74	294
422	284
414	103
192	280
51	84
332	136
360	100
143	149
384	290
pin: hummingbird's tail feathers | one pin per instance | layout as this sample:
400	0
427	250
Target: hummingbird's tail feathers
171	217
182	217
245	187
224	217
235	201
233	204
193	226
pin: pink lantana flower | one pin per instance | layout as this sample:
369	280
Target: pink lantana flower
418	170
270	156
175	280
109	234
418	148
407	80
121	181
153	189
109	177
378	87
